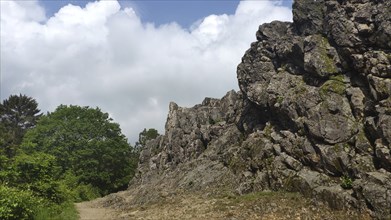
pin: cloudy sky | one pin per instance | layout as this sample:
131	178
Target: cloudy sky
129	58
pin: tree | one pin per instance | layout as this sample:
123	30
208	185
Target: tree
145	136
87	143
17	114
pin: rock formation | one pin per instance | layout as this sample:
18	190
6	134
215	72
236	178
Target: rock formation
313	115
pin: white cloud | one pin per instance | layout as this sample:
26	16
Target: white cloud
102	55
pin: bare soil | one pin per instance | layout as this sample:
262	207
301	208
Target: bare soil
89	211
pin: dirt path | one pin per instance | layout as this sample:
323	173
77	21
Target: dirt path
92	211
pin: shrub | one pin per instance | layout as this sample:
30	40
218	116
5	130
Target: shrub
36	172
17	204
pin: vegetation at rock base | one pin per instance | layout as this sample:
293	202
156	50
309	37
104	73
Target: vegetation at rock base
48	162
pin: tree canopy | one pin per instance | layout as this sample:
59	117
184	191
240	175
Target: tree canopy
86	143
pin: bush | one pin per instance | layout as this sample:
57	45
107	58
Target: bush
53	191
17	204
79	191
36	172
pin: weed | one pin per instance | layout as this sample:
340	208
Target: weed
346	182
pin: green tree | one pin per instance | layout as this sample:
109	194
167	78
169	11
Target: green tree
17	114
86	143
145	136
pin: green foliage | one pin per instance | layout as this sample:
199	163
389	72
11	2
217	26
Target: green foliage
346	182
17	204
145	136
17	114
85	193
19	111
35	167
64	211
32	180
87	143
38	173
8	141
79	191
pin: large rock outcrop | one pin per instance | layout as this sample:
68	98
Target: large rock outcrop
313	115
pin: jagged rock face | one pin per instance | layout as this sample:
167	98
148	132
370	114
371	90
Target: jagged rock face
189	131
332	79
322	71
313	113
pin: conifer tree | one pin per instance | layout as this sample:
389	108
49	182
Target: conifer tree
17	114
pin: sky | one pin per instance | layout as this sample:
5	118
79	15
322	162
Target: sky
129	58
184	12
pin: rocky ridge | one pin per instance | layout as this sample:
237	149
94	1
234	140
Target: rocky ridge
313	116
